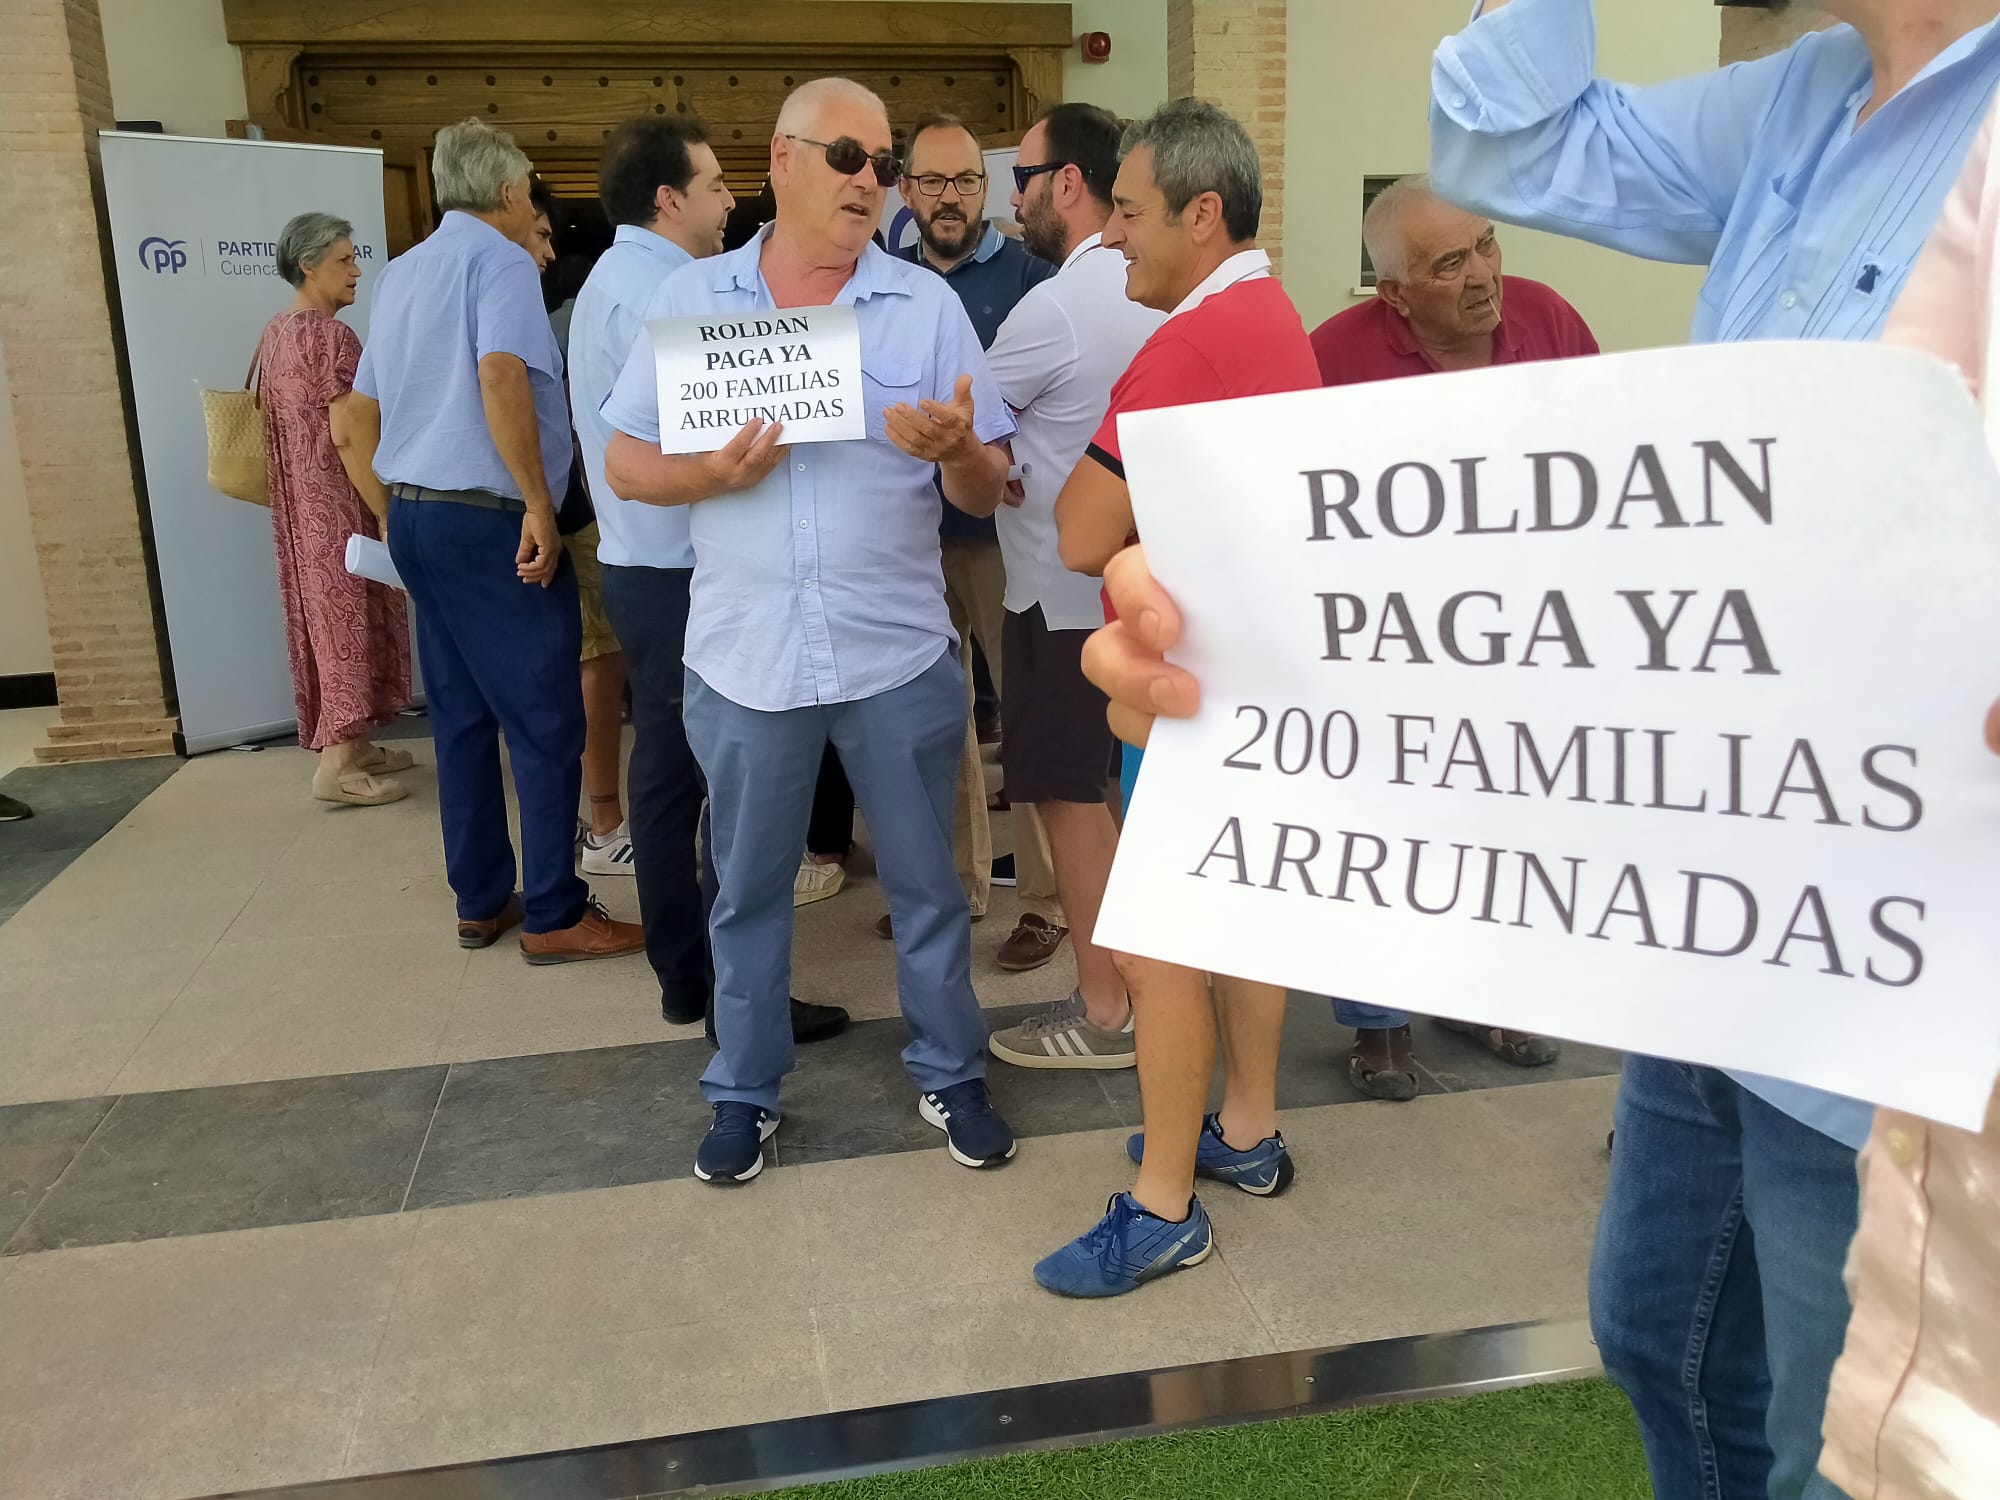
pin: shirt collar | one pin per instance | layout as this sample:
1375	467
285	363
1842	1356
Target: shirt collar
1244	265
1093	243
877	273
656	245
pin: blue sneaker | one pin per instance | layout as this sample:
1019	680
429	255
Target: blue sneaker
1264	1170
1128	1248
974	1133
733	1149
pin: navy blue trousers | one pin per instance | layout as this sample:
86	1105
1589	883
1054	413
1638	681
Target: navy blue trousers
499	656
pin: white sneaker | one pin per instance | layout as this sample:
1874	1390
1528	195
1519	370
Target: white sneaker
816	882
611	855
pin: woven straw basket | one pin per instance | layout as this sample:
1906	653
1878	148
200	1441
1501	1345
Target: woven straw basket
236	459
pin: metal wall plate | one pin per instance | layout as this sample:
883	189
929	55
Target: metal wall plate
1067	1414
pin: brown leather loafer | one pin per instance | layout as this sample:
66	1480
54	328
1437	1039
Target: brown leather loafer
1032	943
598	935
485	934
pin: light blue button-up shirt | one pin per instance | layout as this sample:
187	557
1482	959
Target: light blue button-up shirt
1808	223
603	328
466	292
823	584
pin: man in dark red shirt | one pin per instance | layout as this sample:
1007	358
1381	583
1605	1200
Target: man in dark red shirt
1185	211
1440	300
1440	304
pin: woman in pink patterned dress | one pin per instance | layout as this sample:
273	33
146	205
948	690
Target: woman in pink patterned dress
349	639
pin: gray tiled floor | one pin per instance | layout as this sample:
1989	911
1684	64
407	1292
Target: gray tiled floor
236	1156
298	1188
296	1352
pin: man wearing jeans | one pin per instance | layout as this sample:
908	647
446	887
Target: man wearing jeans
662	186
818	615
463	381
1807	183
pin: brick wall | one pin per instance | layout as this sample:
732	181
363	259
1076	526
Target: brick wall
1232	53
1748	34
63	382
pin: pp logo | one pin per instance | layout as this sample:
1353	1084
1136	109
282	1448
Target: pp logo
163	256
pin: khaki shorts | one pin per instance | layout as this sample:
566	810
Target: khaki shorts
597	637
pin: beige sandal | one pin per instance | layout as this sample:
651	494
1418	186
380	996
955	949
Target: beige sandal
357	788
387	762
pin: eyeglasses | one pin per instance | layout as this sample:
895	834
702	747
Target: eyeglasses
848	156
1025	175
932	184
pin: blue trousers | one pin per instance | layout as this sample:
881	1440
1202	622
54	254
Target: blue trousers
648	609
901	750
1368	1017
499	656
1715	1291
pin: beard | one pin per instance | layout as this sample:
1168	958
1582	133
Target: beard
1042	232
949	232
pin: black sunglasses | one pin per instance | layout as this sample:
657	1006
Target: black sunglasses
1025	175
848	156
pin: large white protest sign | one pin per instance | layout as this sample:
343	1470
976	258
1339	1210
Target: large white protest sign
800	366
1632	700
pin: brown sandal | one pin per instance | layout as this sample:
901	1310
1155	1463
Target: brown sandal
1521	1048
387	762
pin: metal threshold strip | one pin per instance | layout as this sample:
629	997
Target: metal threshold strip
1070	1413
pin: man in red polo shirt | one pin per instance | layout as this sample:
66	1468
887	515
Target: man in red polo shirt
1440	304
1185	211
1440	300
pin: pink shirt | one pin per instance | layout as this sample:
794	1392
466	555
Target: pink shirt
1914	1412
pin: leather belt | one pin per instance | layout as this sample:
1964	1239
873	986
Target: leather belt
483	499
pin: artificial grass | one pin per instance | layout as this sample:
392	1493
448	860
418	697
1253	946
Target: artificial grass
1575	1441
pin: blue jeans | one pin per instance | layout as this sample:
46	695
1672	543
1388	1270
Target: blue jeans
648	609
1715	1290
1368	1017
499	656
901	750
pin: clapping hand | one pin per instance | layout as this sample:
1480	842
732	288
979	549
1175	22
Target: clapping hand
935	431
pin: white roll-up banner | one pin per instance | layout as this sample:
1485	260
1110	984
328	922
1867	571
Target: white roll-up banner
194	229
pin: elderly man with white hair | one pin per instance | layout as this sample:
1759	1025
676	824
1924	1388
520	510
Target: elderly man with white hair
464	384
1441	303
818	616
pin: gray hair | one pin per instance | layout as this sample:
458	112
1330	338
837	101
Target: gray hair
473	163
303	243
1198	149
803	107
1381	226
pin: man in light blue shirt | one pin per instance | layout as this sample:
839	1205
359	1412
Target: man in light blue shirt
1807	183
818	615
463	376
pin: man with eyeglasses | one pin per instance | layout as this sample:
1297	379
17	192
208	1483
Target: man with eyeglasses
944	186
816	617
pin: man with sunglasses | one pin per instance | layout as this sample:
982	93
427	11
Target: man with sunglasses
944	187
817	618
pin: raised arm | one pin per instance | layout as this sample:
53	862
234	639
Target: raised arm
1521	129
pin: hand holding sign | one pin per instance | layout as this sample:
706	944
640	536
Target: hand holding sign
935	431
747	458
1127	658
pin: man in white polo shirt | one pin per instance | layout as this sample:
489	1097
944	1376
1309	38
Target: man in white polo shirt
1056	358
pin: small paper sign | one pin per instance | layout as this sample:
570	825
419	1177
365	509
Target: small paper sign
1633	700
800	366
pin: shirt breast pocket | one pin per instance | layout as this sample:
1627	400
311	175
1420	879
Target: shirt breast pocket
888	382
